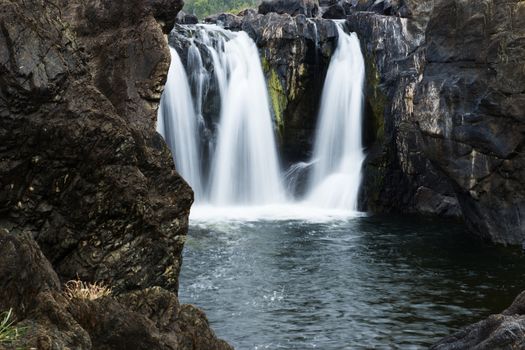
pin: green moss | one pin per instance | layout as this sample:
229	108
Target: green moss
277	93
376	98
265	65
278	98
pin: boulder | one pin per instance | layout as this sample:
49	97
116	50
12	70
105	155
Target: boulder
502	331
336	11
186	18
309	8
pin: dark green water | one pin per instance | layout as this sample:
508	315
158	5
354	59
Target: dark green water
362	283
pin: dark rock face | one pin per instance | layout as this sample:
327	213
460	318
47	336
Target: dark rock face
336	11
99	193
308	8
398	175
445	95
503	331
469	108
88	188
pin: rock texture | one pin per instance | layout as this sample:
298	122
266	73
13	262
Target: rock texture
147	319
503	331
88	189
445	91
309	8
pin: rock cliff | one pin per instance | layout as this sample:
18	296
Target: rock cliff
88	189
445	91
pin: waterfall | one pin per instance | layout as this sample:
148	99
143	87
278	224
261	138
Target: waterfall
338	151
228	152
243	167
177	123
246	168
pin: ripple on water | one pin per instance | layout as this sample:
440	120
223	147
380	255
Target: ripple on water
345	283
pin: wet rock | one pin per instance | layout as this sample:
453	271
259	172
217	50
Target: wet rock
444	92
336	11
186	18
308	8
503	331
226	20
472	135
429	202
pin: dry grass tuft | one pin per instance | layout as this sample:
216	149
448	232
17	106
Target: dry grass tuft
77	289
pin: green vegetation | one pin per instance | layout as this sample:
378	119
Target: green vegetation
203	8
8	331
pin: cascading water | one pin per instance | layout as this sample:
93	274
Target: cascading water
338	152
245	169
244	163
177	123
242	167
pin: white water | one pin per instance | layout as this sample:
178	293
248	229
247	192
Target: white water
245	169
245	181
177	123
244	166
338	152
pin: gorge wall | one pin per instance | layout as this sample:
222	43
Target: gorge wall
444	108
450	83
88	188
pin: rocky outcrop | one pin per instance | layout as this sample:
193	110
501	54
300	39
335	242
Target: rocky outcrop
443	101
308	8
150	318
88	189
503	331
99	193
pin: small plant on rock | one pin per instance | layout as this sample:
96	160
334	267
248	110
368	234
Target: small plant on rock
77	289
8	331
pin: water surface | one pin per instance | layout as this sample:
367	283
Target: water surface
358	283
